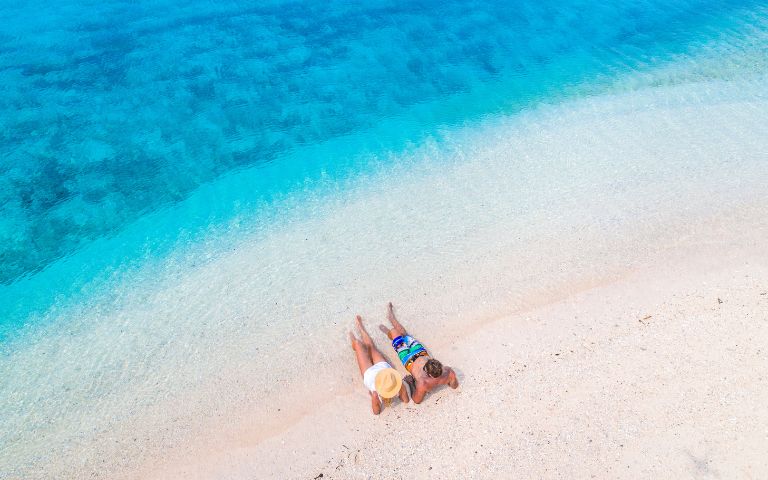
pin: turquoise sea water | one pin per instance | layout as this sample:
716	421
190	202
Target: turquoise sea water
132	129
194	197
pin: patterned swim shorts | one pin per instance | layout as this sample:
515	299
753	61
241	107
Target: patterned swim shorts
408	349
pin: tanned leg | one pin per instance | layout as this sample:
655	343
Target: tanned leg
391	333
376	355
397	328
363	356
362	353
363	332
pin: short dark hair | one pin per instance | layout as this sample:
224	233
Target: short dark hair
433	368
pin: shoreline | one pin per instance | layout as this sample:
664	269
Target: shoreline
566	205
676	290
296	420
525	214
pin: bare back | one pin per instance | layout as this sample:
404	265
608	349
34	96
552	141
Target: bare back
414	356
425	383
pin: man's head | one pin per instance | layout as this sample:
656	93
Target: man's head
433	368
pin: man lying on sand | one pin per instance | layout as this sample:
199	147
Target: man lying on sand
379	377
426	373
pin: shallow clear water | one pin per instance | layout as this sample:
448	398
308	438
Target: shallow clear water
184	187
114	111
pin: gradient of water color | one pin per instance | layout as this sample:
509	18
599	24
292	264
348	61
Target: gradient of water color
116	110
186	187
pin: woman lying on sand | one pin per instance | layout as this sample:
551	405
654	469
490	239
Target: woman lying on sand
378	376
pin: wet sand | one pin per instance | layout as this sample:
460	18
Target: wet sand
660	372
525	253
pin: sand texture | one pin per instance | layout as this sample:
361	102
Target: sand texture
662	373
553	232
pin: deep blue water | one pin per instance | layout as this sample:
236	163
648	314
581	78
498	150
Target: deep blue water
120	120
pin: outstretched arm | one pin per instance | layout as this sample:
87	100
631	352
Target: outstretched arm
453	381
403	394
418	395
411	383
375	403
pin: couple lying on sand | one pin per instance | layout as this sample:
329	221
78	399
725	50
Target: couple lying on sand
383	381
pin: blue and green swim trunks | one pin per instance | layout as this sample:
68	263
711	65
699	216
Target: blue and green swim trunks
408	349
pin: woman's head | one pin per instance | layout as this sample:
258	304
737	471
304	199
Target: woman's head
388	382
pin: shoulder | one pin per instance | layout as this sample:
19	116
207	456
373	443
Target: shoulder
447	376
427	383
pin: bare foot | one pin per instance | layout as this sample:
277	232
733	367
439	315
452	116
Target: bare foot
352	339
384	329
359	322
390	312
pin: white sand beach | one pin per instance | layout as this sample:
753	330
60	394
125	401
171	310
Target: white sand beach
661	371
567	262
566	203
583	354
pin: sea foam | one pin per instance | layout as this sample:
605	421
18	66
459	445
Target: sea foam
488	219
473	221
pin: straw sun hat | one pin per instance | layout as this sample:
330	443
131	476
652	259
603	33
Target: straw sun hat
388	382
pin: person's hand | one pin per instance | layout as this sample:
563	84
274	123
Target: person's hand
411	383
453	381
